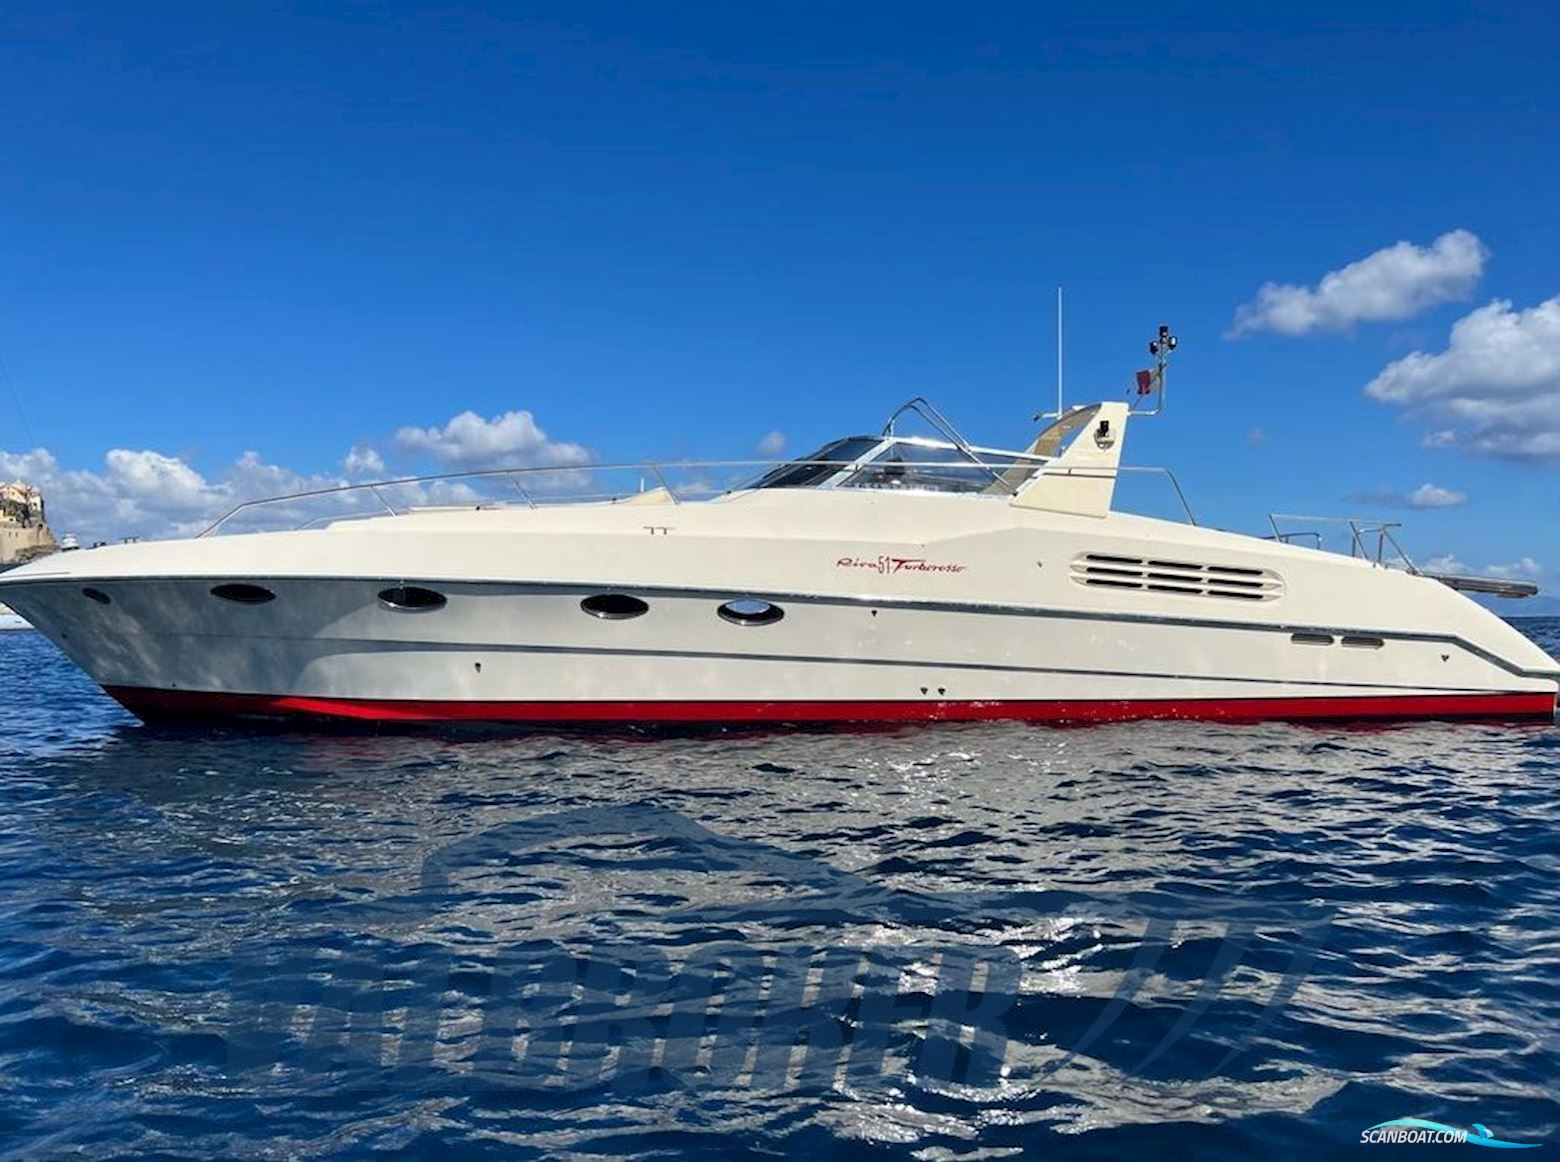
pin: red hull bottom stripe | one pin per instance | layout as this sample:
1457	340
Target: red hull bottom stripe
146	703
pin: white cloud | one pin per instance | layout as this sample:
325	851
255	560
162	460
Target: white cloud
1525	569
1434	496
65	492
1396	282
1425	496
772	445
361	460
165	482
146	493
469	441
1446	563
151	494
1495	389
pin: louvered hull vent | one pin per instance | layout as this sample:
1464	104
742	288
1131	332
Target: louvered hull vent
1188	578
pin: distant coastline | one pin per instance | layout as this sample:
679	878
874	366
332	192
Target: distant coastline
1540	606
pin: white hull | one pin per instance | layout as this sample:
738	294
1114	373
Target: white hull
896	607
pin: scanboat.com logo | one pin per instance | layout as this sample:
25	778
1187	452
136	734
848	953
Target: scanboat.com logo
1400	1131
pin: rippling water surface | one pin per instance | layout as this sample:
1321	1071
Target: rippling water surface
1223	941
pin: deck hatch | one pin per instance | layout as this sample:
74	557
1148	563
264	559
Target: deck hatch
1188	578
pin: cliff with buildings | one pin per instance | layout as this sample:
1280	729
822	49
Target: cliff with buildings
24	530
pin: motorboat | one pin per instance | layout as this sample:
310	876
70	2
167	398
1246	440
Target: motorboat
888	577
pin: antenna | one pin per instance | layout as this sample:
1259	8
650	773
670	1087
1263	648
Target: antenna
1058	351
1057	414
1151	382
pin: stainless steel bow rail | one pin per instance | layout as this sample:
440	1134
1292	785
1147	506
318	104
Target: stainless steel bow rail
1361	531
542	485
376	489
1368	539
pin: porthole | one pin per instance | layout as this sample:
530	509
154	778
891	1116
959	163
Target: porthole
244	594
411	598
750	611
96	595
1311	639
614	606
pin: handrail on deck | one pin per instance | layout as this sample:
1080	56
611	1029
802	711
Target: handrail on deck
1104	472
1359	528
532	499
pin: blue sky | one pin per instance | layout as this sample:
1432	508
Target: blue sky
670	230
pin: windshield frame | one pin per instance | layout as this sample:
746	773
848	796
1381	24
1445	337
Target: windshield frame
861	463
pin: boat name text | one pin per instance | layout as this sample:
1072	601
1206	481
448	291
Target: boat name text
887	564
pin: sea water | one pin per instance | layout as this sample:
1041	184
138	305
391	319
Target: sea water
934	941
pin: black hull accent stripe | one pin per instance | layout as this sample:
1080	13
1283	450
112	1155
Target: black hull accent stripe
386	645
578	588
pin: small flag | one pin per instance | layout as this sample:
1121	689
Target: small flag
1145	382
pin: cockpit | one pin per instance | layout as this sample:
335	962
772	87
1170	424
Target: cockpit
905	462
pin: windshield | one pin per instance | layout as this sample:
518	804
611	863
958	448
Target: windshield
827	461
928	467
908	464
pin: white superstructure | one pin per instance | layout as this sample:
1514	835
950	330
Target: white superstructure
885	578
